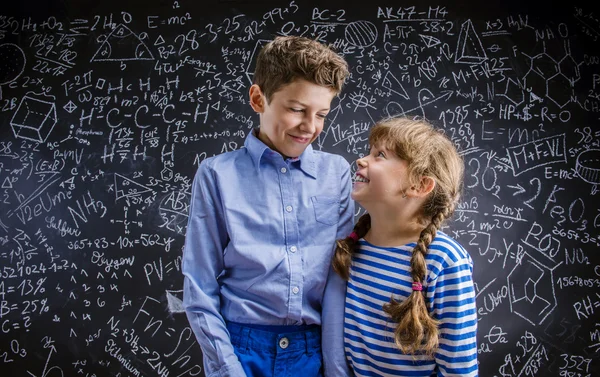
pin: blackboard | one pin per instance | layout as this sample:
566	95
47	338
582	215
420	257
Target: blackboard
107	108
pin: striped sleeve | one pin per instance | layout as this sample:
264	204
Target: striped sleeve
454	307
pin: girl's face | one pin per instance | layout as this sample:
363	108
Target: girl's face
380	177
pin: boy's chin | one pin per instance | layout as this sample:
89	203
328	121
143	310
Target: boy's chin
291	153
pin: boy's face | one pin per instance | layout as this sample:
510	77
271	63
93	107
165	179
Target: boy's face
294	117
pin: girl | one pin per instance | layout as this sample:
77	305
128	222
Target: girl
410	302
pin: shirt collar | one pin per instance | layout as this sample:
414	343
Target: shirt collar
257	150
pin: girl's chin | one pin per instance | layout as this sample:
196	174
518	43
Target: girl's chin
355	196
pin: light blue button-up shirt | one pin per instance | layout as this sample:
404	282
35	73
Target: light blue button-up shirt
260	238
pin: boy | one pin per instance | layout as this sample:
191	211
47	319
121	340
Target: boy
263	222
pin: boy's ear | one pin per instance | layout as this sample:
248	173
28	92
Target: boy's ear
424	187
257	99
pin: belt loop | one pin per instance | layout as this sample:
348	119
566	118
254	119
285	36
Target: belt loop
311	340
315	339
306	341
245	337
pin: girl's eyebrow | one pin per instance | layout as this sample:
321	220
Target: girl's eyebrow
380	148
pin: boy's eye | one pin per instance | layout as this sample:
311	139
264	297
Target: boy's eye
322	116
297	110
381	154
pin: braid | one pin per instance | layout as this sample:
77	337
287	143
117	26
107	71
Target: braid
416	329
431	154
345	247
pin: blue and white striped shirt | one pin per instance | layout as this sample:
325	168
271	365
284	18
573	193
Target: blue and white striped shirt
377	273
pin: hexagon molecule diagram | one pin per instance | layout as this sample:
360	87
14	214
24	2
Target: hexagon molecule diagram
552	79
531	290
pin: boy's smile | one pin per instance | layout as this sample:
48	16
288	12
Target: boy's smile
294	117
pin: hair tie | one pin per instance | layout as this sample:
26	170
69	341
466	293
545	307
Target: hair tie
416	286
354	236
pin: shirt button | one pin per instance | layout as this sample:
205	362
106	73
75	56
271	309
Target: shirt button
284	343
288	208
295	290
283	170
293	249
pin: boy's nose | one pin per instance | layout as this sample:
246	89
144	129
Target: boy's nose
309	124
361	162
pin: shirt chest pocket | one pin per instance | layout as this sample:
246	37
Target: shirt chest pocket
327	209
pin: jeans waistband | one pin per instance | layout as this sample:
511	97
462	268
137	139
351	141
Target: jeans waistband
275	339
278	329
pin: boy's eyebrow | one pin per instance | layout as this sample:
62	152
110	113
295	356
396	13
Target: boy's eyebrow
303	104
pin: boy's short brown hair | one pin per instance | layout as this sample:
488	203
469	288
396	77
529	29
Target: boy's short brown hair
287	58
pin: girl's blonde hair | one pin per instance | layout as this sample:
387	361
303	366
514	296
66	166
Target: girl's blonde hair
428	152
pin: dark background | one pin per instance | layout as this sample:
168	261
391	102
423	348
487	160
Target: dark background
107	109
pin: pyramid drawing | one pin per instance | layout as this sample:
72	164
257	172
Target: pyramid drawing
469	49
122	45
391	83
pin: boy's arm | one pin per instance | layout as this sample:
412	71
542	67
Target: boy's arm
202	263
334	358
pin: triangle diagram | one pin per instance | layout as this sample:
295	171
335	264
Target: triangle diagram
391	83
252	61
159	41
7	183
122	45
175	303
469	49
125	187
533	98
70	181
429	40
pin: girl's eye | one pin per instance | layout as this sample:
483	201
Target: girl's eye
297	110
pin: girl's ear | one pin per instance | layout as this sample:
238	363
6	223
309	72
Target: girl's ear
257	99
425	186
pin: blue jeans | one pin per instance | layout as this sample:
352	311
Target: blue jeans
278	351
